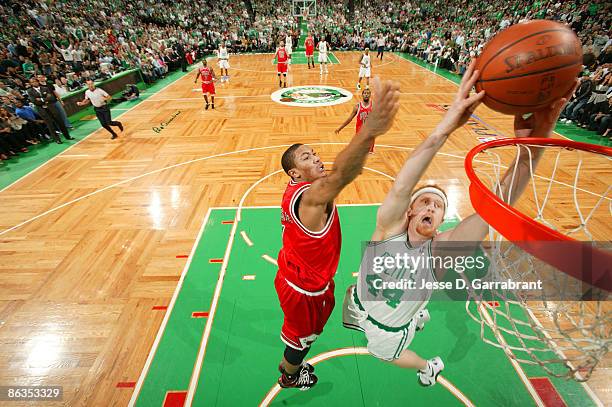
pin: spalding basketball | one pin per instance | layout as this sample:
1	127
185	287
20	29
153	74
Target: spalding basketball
528	65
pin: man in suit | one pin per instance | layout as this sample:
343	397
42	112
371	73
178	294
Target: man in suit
44	99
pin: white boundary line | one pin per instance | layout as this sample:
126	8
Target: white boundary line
86	137
273	392
162	327
197	368
199	99
239	152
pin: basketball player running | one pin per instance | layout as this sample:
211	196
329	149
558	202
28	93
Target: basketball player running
323	50
364	69
309	257
309	44
281	64
223	59
361	110
289	46
208	87
413	217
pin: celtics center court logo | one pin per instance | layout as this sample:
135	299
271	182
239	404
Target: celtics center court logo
311	96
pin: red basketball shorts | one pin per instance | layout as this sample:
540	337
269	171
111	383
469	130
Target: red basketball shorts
305	313
281	67
208	88
309	52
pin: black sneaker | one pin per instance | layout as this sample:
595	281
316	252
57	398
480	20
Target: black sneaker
306	366
114	136
206	108
213	106
303	380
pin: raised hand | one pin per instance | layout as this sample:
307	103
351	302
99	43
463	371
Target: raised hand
384	107
463	105
542	122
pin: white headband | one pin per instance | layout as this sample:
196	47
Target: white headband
430	190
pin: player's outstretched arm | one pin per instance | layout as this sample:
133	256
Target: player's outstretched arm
391	218
349	162
539	124
348	120
197	76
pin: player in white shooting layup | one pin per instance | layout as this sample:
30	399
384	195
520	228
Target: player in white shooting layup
223	59
364	68
412	216
323	50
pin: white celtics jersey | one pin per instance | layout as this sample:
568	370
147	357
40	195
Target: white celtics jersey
223	54
386	304
365	60
323	47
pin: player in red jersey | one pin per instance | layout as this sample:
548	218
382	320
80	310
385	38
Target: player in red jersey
309	44
361	110
309	257
282	59
208	87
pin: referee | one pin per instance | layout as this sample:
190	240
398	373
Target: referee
99	99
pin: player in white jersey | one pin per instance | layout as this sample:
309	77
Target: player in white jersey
323	59
364	68
413	217
289	46
223	59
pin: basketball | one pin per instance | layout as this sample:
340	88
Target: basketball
529	65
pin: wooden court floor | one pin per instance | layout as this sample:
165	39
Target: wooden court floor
93	243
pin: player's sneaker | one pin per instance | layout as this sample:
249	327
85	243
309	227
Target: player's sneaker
305	365
421	318
358	87
429	376
206	108
302	380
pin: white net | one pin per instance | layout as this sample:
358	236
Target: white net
566	327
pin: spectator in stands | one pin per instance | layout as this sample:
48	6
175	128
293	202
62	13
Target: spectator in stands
45	99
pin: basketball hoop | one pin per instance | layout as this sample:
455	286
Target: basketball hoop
566	338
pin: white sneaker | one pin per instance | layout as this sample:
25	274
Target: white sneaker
358	87
429	376
421	319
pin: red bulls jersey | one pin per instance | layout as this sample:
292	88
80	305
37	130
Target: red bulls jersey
309	43
307	259
362	114
206	74
281	56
